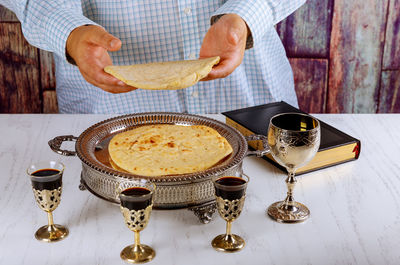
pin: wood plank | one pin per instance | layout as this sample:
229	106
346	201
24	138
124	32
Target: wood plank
356	50
391	59
50	102
306	33
47	75
310	78
19	72
389	100
7	15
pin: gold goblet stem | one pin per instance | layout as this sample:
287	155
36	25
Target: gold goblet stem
50	218
228	242
137	253
228	228
137	241
51	232
51	228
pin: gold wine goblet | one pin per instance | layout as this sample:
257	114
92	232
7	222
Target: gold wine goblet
136	197
294	139
46	179
230	193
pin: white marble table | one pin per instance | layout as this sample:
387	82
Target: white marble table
355	207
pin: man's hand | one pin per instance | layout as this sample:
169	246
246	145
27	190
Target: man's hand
227	39
89	46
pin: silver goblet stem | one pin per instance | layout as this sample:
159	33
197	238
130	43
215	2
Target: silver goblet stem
291	181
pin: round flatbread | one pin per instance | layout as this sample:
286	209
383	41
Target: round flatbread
163	149
163	75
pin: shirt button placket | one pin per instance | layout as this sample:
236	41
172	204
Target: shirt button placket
192	56
195	94
187	11
191	93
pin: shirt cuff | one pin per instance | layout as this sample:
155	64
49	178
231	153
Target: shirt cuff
58	27
257	14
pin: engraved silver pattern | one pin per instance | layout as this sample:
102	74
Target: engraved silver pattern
293	149
279	213
204	211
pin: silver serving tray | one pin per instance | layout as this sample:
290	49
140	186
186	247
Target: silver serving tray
172	191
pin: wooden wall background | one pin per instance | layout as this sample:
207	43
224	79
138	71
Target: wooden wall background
345	57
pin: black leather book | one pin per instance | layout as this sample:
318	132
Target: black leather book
336	146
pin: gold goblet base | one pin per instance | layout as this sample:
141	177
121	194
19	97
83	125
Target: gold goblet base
293	213
137	254
51	233
228	243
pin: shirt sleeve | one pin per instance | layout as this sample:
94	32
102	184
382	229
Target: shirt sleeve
259	15
47	24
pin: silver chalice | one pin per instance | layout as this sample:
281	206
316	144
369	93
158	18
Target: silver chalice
293	139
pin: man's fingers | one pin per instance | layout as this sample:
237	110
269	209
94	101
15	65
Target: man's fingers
233	37
104	39
99	76
106	81
223	69
111	88
117	89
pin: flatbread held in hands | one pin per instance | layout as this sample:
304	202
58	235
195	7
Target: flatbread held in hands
163	75
166	149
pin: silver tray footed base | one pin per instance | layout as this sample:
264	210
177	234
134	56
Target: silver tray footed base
203	211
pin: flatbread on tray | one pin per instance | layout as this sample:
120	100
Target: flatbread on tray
163	75
166	149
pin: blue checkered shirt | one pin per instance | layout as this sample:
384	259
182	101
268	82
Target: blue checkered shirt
163	30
